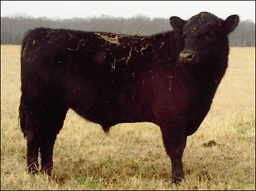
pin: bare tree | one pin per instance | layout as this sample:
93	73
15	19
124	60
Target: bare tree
13	28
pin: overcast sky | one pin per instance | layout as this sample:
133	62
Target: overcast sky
127	9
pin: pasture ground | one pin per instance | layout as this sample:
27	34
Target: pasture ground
219	156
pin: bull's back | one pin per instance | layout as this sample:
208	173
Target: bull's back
83	53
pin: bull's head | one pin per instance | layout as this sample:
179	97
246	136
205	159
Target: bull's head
204	34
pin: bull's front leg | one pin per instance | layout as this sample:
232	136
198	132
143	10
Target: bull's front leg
174	139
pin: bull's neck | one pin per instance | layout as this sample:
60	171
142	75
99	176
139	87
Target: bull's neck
206	76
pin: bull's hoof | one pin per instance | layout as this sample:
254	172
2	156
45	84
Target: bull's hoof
177	180
47	171
33	170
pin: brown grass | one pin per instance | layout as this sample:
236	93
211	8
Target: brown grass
220	155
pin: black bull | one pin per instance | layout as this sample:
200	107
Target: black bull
168	79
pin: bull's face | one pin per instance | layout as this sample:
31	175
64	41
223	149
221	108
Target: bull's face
203	34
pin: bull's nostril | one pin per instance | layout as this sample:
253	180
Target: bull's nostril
190	56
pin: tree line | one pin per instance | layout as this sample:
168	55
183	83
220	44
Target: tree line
13	28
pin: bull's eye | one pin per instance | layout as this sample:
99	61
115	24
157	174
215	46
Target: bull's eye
185	38
210	35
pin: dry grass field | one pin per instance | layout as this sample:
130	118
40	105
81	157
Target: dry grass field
219	156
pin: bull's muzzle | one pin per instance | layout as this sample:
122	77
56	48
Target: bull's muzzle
187	57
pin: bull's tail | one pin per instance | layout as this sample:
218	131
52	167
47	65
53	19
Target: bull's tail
22	118
22	113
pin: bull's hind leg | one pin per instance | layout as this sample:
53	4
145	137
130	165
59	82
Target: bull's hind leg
32	152
40	124
33	144
54	123
29	126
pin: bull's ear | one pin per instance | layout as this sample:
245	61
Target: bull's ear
231	23
177	24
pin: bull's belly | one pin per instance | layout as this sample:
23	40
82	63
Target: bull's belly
108	114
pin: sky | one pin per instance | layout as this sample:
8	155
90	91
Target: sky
127	9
